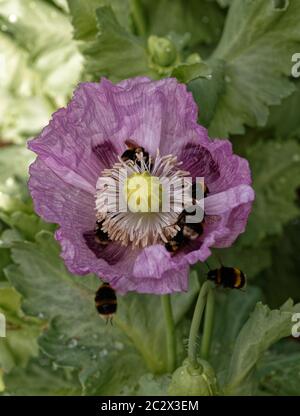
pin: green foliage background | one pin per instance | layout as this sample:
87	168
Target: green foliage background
235	57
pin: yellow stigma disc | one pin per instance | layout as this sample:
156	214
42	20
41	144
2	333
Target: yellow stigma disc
143	193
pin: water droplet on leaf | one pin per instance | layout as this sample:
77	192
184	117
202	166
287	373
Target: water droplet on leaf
12	18
103	353
73	343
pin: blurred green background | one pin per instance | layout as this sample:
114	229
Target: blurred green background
236	58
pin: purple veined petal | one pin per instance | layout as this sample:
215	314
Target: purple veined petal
236	221
224	201
197	159
222	234
157	115
234	170
56	200
152	262
69	176
172	280
63	149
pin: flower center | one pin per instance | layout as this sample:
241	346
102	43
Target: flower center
139	199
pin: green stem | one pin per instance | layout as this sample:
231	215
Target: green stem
196	321
208	324
170	332
138	18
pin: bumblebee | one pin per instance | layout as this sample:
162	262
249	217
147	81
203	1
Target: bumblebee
188	232
135	154
106	302
228	277
96	238
194	190
101	237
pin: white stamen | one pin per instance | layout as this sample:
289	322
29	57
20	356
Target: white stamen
140	228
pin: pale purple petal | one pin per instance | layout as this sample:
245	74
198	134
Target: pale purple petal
227	200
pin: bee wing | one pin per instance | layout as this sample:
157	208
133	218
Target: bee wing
131	144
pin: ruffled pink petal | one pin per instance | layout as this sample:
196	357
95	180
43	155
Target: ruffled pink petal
234	170
172	280
59	201
225	201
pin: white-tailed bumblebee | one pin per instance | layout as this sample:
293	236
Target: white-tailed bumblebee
228	277
106	301
135	153
101	237
188	232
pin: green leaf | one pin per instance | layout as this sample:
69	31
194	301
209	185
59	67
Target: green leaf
141	320
206	92
279	375
232	311
5	259
108	358
41	377
224	3
84	19
282	279
22	117
251	259
275	169
14	162
255	77
20	342
202	19
264	328
62	4
149	385
114	53
284	119
76	336
40	64
187	72
26	225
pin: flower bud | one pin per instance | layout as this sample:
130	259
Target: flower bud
194	58
163	52
189	380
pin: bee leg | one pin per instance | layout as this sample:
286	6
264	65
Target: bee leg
111	321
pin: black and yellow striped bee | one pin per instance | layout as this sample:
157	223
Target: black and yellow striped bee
228	277
135	153
187	232
106	302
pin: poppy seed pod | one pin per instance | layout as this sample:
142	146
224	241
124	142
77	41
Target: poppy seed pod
190	381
